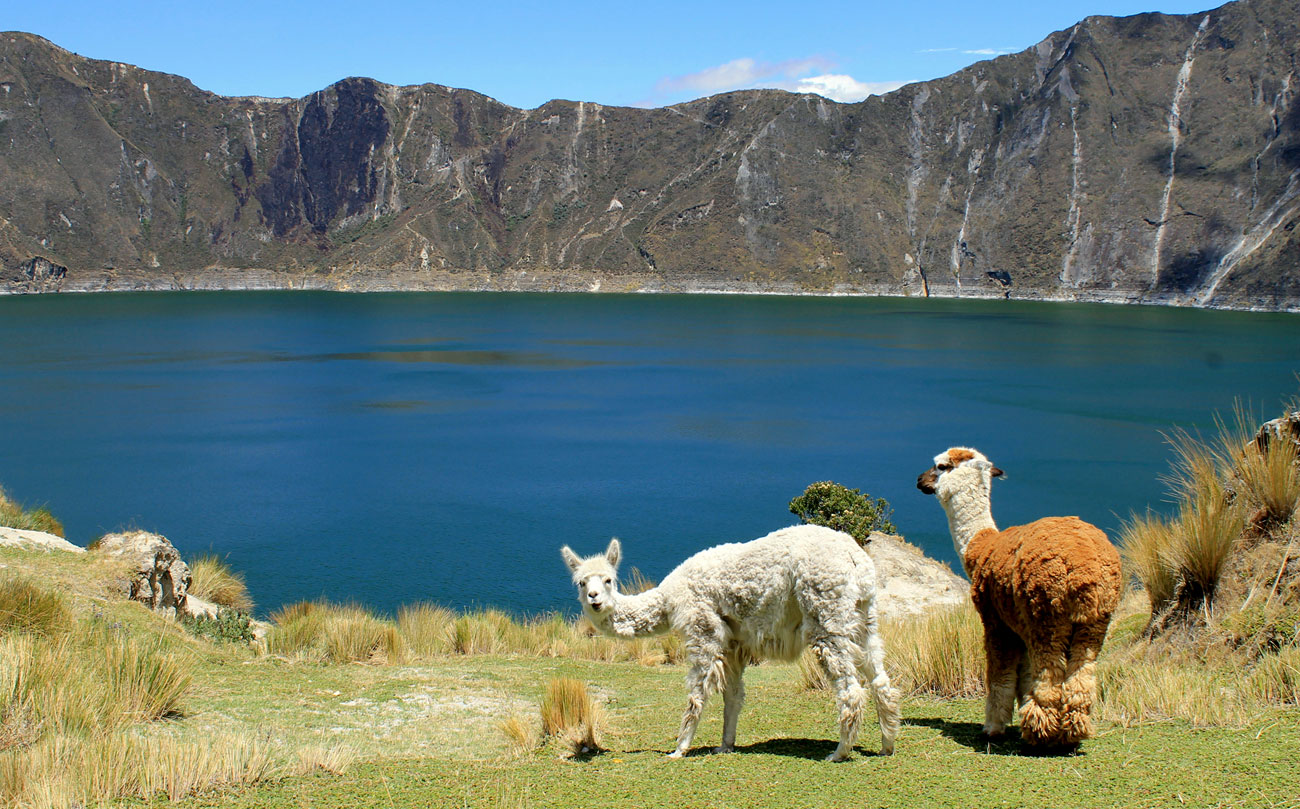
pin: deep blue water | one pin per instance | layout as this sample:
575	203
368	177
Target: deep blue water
394	448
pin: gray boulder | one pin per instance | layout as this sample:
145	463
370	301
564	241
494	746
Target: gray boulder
911	583
156	575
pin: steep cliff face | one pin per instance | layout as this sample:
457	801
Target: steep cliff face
1151	158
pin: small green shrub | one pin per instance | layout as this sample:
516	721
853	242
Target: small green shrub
849	510
230	626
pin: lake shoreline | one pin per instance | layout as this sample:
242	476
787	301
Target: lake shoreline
418	281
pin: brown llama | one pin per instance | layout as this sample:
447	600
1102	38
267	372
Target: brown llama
1045	593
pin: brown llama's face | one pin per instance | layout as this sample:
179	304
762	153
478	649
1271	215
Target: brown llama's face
933	480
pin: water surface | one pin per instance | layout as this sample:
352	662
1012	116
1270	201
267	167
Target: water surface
402	447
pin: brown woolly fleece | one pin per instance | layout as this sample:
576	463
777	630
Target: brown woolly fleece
1045	592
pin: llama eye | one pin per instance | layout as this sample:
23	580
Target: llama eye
944	467
608	582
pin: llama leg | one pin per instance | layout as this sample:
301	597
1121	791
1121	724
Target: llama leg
1040	717
1080	681
706	676
882	692
733	699
1003	652
836	655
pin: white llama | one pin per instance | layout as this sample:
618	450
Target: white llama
804	586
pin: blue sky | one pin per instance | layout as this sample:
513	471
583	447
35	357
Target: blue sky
524	54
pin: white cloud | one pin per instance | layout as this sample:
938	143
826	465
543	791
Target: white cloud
989	52
738	74
746	73
842	88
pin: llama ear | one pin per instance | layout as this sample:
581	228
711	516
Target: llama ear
570	558
997	473
613	552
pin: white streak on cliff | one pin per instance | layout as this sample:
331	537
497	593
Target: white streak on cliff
1251	240
959	244
1075	213
1175	137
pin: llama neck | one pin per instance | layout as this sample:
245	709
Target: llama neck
636	616
968	514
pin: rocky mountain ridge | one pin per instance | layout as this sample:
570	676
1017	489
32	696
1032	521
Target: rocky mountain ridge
1153	158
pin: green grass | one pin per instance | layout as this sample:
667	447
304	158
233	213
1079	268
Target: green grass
431	730
784	732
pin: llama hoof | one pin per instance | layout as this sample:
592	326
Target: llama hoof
726	748
993	734
676	754
837	756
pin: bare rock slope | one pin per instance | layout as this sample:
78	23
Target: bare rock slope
1152	158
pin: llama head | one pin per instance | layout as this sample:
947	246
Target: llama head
596	578
959	469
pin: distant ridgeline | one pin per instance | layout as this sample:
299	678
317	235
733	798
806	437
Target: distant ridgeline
1152	158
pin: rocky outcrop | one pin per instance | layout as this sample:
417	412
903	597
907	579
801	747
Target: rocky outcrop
38	274
911	583
1283	428
156	575
35	540
1153	158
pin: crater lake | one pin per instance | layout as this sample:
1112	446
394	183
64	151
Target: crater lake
395	448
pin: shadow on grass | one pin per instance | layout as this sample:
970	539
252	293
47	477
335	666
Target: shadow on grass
815	749
970	734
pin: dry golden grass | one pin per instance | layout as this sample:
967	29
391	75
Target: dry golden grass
521	735
1270	480
334	633
1205	533
29	608
570	716
939	654
426	629
1144	540
212	580
80	771
336	759
13	515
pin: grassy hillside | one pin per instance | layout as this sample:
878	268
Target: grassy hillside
102	700
260	730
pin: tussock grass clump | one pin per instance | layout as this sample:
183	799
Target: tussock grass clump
1271	479
1276	679
334	633
26	607
89	771
212	580
13	515
426	629
1144	540
522	736
570	716
940	653
336	759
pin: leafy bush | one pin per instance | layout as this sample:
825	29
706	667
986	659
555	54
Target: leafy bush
848	510
230	626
